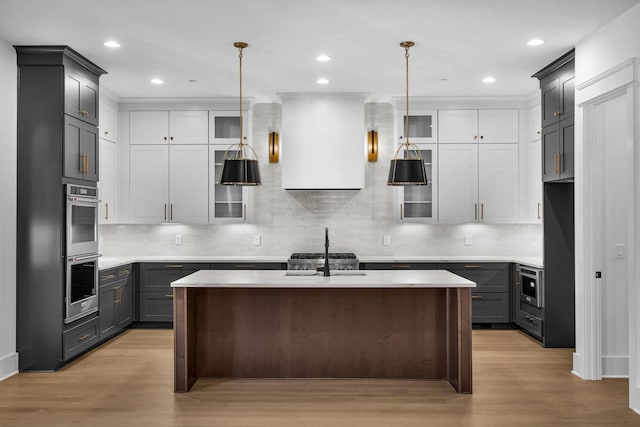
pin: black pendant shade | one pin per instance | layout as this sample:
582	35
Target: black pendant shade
407	172
241	172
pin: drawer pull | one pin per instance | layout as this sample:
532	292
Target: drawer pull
169	295
476	296
245	266
109	276
472	266
84	337
400	266
174	266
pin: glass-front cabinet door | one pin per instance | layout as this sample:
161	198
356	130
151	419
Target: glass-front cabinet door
227	203
417	203
421	126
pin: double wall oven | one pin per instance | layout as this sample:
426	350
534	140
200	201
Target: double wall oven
81	273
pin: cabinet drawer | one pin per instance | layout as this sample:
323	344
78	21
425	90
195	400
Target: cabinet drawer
490	308
156	306
125	271
399	266
491	277
530	323
108	276
248	266
158	277
79	338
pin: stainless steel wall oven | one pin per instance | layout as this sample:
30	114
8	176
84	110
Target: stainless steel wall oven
531	287
82	220
81	287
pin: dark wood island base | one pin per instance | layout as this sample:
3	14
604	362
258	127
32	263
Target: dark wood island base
406	333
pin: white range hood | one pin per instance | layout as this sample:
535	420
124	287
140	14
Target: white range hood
323	141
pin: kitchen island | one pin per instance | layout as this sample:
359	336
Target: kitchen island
288	324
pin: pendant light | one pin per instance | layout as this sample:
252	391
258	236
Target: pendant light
408	169
240	165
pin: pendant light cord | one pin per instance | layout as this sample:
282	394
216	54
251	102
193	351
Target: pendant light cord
240	108
406	118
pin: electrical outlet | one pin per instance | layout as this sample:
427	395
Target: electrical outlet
386	240
178	239
257	239
468	239
620	252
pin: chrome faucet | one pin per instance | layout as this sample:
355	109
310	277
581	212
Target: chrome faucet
326	253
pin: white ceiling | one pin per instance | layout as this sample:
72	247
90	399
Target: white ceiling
461	41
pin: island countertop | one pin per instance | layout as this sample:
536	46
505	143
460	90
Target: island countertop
339	279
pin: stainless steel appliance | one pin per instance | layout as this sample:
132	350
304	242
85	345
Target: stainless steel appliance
82	220
81	297
531	286
315	261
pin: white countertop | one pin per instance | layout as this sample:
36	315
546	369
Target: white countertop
339	279
109	262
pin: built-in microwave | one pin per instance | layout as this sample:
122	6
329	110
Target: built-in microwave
81	296
531	286
82	220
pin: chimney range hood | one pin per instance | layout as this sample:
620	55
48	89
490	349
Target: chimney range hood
323	141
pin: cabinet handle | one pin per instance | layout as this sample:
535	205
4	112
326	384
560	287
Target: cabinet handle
244	211
538	132
400	266
481	211
109	276
171	212
472	266
475	211
171	138
165	138
401	211
539	206
165	212
475	136
481	136
106	211
169	296
106	132
84	337
245	266
476	296
173	266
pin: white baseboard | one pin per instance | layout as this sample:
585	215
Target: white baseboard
8	366
615	366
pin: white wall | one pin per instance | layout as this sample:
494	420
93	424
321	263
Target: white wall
602	51
8	182
294	221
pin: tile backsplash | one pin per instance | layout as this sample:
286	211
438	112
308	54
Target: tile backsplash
289	221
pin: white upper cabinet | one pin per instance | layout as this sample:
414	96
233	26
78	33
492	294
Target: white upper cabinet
535	123
149	165
225	127
484	126
535	181
189	184
108	179
458	183
163	127
188	127
422	126
498	183
498	126
227	203
108	123
457	126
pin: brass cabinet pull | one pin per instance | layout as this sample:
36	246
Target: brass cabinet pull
81	157
539	206
173	266
475	136
481	211
244	211
401	211
475	211
165	212
171	212
245	266
106	211
84	337
109	276
400	266
86	163
476	296
169	295
472	266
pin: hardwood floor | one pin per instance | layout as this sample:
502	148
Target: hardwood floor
129	382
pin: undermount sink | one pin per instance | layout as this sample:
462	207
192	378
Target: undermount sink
319	273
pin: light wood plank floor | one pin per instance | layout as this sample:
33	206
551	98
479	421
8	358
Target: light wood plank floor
129	382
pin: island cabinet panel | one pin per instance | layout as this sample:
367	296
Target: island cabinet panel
411	333
398	266
491	301
155	296
249	266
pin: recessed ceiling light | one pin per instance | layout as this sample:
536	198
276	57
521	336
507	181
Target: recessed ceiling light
322	81
488	79
112	44
157	81
535	42
192	81
323	58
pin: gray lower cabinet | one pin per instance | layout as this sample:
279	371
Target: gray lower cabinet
398	266
116	300
155	296
491	297
80	337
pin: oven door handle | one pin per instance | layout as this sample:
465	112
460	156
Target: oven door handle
84	258
92	200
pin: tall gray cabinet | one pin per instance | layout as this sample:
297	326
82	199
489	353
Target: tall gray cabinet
57	145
